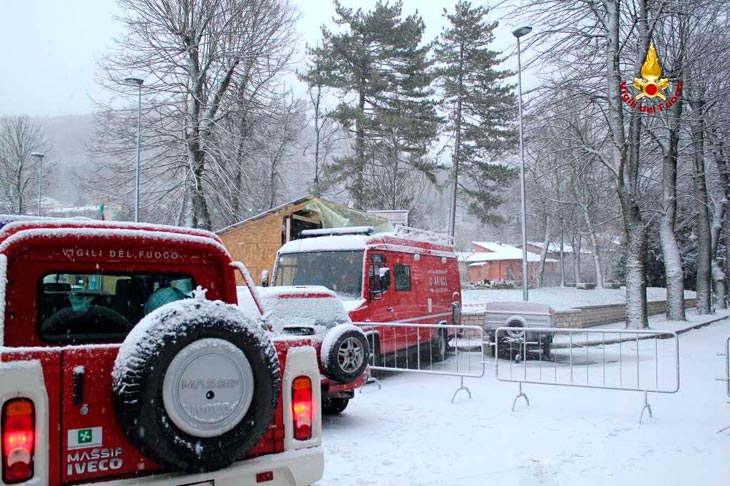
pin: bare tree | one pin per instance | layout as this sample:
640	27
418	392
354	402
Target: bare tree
19	139
598	39
193	56
675	28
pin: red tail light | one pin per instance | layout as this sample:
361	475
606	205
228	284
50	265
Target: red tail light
18	429
302	407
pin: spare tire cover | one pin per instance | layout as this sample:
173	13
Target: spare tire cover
344	353
196	385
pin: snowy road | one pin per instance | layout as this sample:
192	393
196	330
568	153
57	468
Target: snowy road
409	433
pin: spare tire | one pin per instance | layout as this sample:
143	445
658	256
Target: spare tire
344	354
196	385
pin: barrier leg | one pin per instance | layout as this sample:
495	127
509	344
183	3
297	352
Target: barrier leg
646	407
371	379
461	387
521	394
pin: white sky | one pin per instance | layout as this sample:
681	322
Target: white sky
50	47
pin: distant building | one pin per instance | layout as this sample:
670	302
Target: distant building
55	209
553	249
492	261
255	240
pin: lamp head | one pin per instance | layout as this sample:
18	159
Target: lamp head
134	81
519	32
37	154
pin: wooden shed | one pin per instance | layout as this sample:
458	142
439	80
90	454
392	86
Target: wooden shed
255	241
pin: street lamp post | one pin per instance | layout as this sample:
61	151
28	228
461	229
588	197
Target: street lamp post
40	177
519	33
137	82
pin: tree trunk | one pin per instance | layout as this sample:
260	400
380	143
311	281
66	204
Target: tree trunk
576	258
543	253
670	249
593	238
457	147
562	252
726	230
201	215
596	258
718	219
704	253
358	190
636	311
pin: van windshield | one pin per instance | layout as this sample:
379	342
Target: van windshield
339	271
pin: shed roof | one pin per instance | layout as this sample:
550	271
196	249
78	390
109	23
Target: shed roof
332	215
496	251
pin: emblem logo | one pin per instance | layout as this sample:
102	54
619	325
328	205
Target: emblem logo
651	85
84	438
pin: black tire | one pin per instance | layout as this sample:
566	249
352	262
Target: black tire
347	356
145	360
515	334
439	347
510	343
376	359
334	405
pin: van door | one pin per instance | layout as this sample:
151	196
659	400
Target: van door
381	307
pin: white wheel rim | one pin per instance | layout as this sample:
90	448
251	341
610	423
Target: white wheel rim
350	355
208	388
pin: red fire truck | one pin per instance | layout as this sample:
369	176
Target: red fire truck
123	359
408	276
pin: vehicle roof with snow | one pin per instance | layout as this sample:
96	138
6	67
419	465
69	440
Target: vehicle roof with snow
403	238
10	225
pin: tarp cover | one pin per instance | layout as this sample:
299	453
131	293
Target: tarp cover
333	215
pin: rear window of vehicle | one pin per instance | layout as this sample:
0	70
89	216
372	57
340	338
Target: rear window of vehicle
75	308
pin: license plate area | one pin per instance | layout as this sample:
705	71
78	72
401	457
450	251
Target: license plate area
199	483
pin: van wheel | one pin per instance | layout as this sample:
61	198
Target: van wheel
334	405
195	385
439	347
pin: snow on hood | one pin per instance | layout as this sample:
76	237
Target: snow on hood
311	306
354	304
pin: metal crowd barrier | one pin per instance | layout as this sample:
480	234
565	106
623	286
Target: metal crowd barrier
726	378
627	360
416	354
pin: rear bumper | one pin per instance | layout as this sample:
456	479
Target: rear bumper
333	389
292	468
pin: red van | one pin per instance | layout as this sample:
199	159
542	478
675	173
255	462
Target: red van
408	276
116	366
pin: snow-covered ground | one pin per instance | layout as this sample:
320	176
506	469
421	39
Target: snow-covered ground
560	297
409	433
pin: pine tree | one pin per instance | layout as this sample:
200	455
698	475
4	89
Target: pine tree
481	108
379	60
